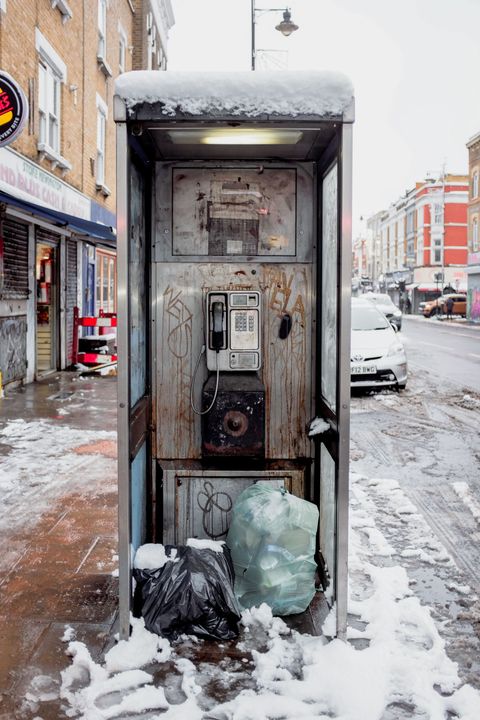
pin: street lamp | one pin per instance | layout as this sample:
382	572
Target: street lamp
286	26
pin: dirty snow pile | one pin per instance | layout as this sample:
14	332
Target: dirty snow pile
395	658
40	463
240	93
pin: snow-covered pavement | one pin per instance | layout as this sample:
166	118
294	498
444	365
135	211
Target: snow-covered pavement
394	666
413	646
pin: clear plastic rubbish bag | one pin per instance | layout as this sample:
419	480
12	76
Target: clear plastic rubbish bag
191	593
272	542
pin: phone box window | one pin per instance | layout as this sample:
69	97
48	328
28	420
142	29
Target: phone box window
234	212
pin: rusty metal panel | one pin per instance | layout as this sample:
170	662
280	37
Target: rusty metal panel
199	503
233	211
13	348
287	366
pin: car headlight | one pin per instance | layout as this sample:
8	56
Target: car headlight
397	313
395	348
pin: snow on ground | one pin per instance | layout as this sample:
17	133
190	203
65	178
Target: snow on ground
464	492
393	666
40	461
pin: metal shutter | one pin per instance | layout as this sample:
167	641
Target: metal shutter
71	296
15	259
42	235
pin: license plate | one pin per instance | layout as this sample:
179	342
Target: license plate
363	369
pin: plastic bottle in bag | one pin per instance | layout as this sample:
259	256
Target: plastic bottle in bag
272	542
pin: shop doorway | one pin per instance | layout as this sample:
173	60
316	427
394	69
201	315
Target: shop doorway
47	307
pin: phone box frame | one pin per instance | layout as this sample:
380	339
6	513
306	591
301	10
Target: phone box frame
161	325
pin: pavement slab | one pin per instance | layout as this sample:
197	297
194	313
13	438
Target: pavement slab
60	571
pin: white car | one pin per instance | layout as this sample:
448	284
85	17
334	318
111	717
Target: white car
377	354
385	303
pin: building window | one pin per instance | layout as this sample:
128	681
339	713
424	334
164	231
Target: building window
420	251
49	106
437	251
106	282
102	114
52	72
102	29
122	49
64	8
475	184
475	246
438	214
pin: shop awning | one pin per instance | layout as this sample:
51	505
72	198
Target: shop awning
433	287
85	228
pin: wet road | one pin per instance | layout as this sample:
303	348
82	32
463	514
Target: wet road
450	351
426	439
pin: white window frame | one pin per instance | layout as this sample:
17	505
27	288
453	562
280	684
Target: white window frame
51	70
436	251
420	250
102	117
64	9
475	245
122	48
475	184
438	213
102	29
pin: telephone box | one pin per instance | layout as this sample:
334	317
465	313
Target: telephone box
234	275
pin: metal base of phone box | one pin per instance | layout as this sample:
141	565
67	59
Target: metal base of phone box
235	426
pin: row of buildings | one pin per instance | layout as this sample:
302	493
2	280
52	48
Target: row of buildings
57	179
426	242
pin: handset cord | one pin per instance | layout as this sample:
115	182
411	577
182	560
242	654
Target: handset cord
192	384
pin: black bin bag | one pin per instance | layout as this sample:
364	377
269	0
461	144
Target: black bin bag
192	594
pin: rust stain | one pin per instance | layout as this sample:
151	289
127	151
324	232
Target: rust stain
108	448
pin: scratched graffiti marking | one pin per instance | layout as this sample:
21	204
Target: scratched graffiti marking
286	292
178	323
13	361
216	507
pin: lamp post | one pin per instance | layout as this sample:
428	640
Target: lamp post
286	26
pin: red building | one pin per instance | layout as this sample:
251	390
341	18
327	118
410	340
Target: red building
442	223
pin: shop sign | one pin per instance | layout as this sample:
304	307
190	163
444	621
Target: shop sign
13	109
27	181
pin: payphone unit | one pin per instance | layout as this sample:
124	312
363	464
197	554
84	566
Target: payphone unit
233	321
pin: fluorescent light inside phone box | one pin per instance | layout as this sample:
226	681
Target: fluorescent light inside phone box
241	136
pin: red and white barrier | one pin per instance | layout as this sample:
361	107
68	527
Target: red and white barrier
103	321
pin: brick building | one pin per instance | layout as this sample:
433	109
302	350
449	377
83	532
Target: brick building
420	242
473	260
57	179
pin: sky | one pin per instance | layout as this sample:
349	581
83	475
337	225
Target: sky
415	66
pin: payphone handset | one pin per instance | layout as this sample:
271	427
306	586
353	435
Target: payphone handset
233	330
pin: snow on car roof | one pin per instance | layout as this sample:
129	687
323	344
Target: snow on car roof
296	93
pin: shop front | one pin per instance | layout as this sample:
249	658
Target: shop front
44	268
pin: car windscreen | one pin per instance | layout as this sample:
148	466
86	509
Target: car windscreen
382	299
367	317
